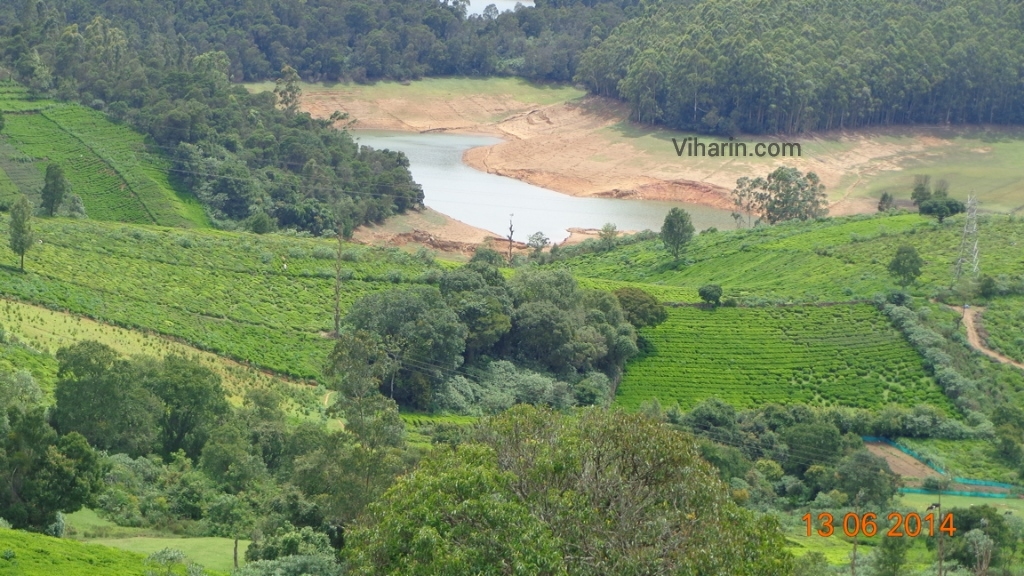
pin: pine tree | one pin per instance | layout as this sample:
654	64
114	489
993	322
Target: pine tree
21	228
54	189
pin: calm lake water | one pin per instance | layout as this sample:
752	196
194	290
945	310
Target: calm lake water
477	6
486	200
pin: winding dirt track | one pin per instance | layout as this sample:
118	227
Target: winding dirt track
974	338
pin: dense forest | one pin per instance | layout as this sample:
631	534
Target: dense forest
795	66
249	158
718	67
353	40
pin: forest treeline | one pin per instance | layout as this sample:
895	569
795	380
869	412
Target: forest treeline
249	158
719	67
755	67
328	40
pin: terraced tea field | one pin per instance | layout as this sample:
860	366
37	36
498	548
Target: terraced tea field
266	300
106	164
832	260
846	354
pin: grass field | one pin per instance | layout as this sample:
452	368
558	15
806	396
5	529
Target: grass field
27	554
833	355
107	164
212	553
266	300
833	260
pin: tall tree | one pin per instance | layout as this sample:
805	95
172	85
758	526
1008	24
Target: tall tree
193	402
906	265
632	497
54	188
42	473
786	194
21	228
922	189
102	397
287	89
886	202
609	232
676	231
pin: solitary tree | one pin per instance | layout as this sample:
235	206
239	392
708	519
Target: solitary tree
287	89
538	241
886	202
641	308
922	189
21	228
54	189
786	194
906	265
710	293
609	232
676	231
941	207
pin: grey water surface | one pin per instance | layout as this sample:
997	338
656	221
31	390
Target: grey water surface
487	200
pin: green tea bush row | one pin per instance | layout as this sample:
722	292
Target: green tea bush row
834	355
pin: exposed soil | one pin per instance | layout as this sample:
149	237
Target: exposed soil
588	147
913	471
431	229
971	320
906	466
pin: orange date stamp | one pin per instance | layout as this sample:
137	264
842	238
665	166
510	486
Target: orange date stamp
911	524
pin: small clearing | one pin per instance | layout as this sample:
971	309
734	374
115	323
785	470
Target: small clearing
906	466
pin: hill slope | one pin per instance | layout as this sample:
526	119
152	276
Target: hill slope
106	164
845	354
266	300
832	260
38	555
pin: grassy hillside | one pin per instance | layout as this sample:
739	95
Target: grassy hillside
832	260
844	355
106	164
266	300
35	333
27	554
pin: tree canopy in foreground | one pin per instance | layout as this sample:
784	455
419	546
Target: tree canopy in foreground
602	492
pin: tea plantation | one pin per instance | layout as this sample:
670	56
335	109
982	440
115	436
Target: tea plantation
106	164
845	354
266	300
832	260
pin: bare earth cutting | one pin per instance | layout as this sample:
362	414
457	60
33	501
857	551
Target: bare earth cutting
587	146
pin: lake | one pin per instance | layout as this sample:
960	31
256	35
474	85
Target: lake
487	200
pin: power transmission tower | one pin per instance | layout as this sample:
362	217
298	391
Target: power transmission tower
968	242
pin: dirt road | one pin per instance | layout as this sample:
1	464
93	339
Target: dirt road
974	338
